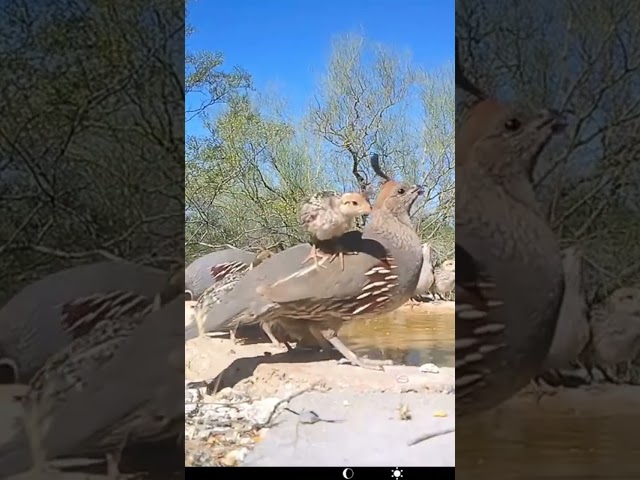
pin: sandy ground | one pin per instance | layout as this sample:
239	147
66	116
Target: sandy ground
378	412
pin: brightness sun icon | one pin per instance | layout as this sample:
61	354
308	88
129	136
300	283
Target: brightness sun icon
396	473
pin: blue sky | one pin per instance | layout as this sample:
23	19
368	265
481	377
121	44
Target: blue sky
285	44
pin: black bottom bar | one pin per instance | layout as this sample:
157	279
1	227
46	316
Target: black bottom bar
325	473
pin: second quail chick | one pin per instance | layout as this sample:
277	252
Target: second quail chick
615	330
327	215
444	279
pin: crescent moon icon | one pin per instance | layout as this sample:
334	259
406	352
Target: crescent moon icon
347	473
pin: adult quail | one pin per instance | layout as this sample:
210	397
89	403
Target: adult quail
378	279
48	314
124	411
425	281
444	277
327	216
615	330
206	270
510	285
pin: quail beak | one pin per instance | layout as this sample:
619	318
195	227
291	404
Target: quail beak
552	123
554	120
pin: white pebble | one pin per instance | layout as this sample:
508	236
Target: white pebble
259	412
429	368
346	403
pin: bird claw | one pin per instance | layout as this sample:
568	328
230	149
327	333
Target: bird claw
361	363
314	255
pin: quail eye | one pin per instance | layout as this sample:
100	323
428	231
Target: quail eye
401	191
512	124
354	204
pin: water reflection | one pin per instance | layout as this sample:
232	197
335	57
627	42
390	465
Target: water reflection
404	336
576	435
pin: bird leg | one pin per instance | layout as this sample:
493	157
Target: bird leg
413	301
232	334
539	390
267	329
113	462
324	336
39	462
341	253
338	254
315	254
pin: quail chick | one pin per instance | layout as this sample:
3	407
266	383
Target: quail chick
444	279
327	216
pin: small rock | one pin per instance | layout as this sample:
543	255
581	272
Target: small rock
346	403
189	431
203	433
259	412
429	368
230	459
403	412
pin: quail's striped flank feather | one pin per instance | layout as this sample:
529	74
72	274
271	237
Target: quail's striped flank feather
215	292
221	270
72	368
45	316
377	289
478	335
80	316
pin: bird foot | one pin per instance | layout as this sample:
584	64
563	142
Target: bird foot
113	464
341	254
540	391
363	363
276	343
318	255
